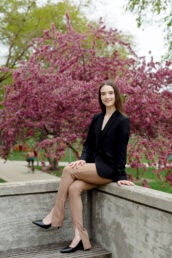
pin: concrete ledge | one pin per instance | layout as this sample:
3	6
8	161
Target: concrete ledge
29	187
146	196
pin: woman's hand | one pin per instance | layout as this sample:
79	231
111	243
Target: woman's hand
125	182
78	163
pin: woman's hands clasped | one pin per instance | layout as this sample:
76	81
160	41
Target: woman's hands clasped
77	163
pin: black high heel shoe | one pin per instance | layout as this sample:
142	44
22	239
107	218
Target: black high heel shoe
41	224
69	249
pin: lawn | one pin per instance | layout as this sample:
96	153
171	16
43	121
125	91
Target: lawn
2	180
17	155
152	180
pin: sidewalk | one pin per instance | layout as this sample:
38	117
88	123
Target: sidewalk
13	171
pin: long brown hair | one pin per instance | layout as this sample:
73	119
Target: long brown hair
118	100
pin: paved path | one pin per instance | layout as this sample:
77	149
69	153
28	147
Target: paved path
12	171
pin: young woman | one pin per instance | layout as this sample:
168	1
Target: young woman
102	161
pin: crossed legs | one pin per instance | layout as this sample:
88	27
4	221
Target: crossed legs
73	182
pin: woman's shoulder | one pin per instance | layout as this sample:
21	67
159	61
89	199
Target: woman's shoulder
97	115
123	118
123	115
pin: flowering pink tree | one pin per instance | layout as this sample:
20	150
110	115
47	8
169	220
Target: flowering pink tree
149	104
54	94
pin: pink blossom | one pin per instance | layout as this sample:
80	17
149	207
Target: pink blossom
54	95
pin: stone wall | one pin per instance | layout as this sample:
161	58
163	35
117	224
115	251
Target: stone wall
23	202
131	222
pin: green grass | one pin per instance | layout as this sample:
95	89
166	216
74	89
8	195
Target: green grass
17	155
153	181
2	180
21	155
58	172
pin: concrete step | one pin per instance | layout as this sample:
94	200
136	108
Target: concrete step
52	251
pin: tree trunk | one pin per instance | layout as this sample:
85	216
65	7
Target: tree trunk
137	174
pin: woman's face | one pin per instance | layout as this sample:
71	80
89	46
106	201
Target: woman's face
107	96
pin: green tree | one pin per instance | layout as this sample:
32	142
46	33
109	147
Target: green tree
160	11
23	20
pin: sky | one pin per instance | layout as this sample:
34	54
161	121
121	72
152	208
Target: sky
146	39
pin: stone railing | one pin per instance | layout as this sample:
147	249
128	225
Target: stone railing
131	222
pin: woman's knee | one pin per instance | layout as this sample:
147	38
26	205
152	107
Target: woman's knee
75	189
66	170
69	170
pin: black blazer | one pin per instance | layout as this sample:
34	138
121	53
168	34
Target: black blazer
107	148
